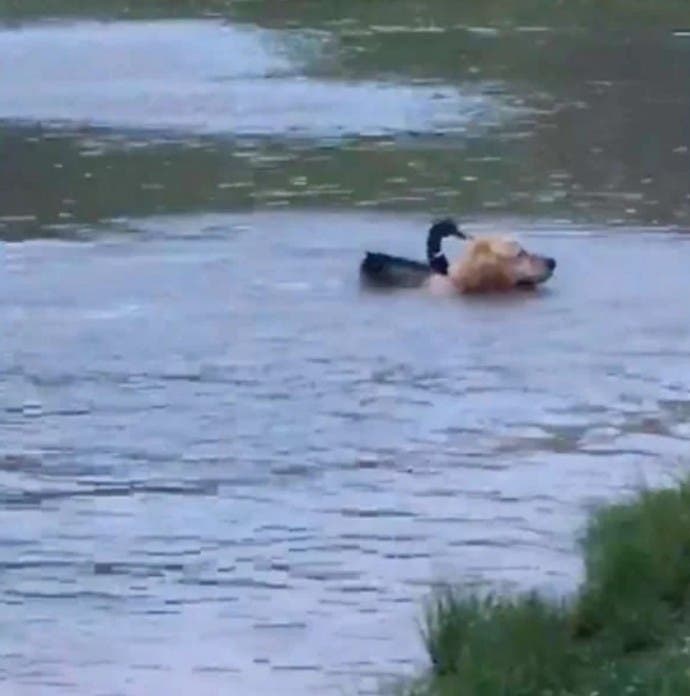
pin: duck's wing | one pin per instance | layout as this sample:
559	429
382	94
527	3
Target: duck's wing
393	271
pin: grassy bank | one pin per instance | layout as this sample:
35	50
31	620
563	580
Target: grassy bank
627	631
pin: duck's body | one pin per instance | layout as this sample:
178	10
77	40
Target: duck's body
394	271
385	270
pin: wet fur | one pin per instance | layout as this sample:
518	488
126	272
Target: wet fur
496	264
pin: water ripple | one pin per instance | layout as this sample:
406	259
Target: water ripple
253	478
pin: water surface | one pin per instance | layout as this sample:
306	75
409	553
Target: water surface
232	502
225	467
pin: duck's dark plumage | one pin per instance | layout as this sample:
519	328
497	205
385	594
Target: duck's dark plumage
385	270
393	271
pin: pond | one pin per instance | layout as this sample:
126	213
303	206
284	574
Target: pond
224	466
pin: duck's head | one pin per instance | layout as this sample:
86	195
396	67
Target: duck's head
445	227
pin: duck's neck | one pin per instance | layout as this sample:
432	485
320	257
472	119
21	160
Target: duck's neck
436	258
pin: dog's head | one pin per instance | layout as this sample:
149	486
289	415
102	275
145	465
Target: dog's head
493	264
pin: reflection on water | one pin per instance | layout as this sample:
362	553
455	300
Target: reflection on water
593	138
224	466
205	77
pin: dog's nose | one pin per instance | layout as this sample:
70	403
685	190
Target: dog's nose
551	263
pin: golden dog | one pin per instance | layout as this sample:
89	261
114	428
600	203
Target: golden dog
494	264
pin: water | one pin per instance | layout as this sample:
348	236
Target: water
205	77
224	466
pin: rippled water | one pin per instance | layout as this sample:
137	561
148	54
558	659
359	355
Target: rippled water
224	466
223	461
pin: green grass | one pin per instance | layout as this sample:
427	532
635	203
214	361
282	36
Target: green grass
626	631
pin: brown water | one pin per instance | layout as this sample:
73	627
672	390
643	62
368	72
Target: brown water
226	468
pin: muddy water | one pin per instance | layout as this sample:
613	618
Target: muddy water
224	467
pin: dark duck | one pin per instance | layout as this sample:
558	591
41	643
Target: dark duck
384	270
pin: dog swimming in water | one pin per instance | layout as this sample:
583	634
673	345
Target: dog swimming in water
489	263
